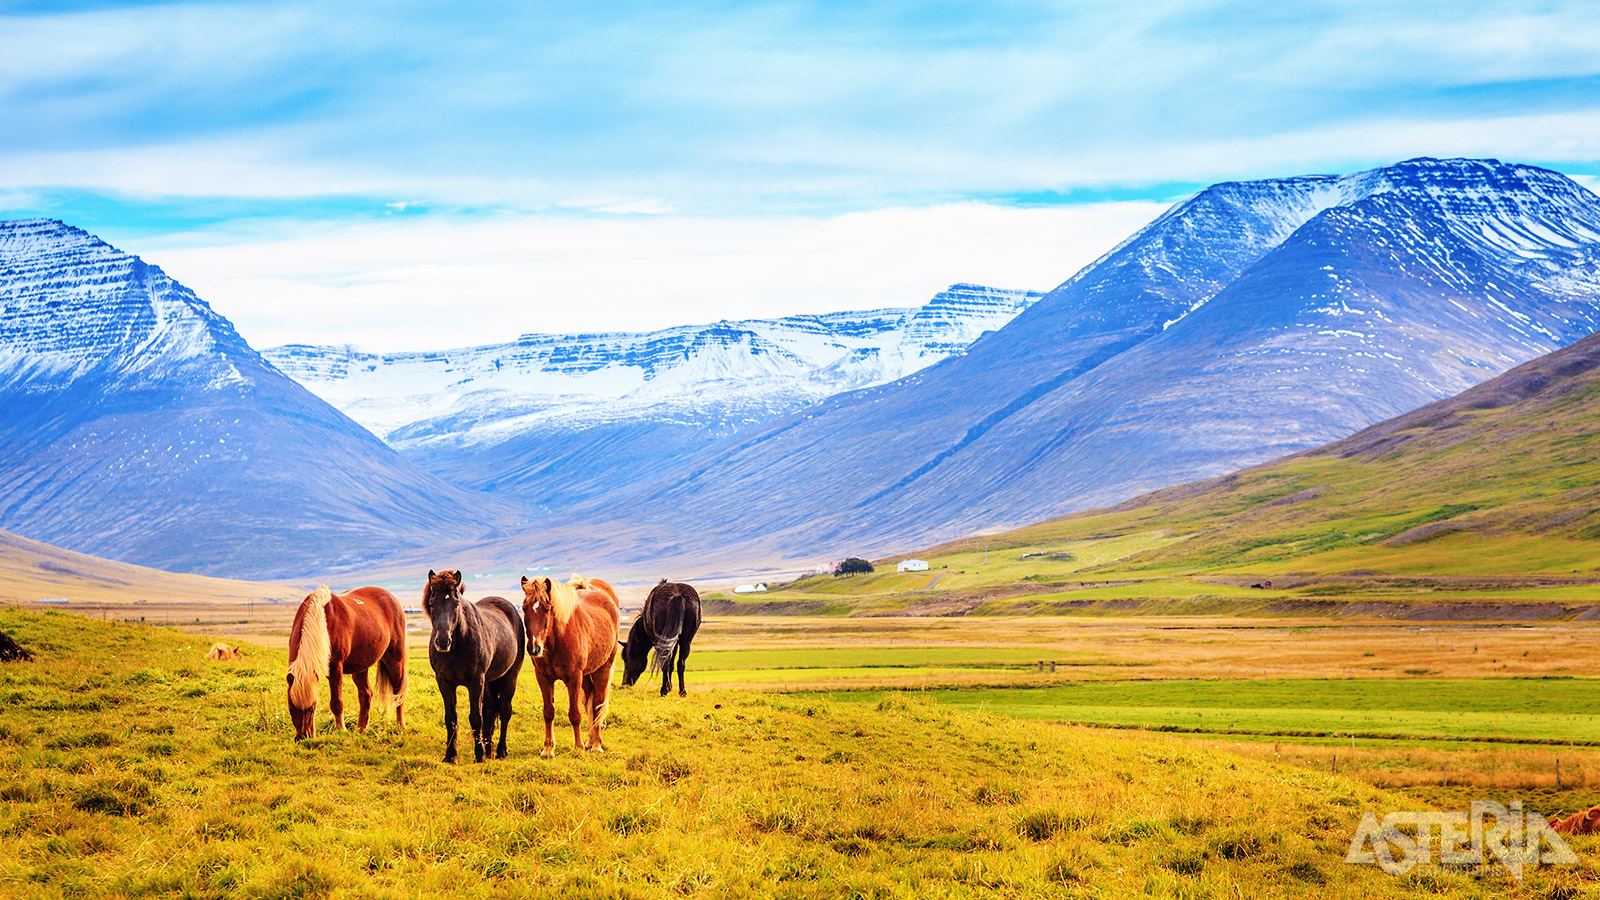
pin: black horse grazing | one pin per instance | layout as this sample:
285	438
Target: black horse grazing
477	645
667	623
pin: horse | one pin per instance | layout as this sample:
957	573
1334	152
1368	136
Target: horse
572	633
667	623
346	634
479	646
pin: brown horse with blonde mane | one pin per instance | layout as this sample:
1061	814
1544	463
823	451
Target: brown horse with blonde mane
572	637
346	634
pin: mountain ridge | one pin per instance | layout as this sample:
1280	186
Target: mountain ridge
1196	347
141	427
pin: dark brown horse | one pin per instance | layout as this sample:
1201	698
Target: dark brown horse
666	624
478	646
346	634
572	637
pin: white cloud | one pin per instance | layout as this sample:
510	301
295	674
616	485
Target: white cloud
430	282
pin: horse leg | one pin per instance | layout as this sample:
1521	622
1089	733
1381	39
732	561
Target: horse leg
336	693
666	674
548	689
599	697
506	688
448	692
475	716
574	715
683	660
364	698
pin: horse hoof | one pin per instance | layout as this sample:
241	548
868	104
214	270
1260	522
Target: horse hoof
546	753
683	693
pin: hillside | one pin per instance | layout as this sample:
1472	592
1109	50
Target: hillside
139	426
1253	320
156	774
31	571
1489	497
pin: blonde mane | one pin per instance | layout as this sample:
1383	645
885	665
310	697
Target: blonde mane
563	600
311	656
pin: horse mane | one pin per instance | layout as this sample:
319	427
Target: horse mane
564	599
599	585
310	648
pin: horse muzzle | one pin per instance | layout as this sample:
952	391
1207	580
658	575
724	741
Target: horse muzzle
536	649
444	645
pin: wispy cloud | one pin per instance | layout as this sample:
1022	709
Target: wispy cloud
721	119
419	282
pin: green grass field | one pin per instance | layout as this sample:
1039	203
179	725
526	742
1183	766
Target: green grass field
1484	709
133	768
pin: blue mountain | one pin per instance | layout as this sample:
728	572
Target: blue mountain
136	424
1252	320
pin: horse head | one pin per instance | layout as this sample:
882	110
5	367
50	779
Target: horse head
441	600
635	651
537	612
308	645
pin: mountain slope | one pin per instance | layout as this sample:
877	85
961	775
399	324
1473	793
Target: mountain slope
1481	506
1501	477
139	426
1252	320
582	414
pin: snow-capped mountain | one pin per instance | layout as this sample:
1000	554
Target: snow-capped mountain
1252	320
139	426
482	415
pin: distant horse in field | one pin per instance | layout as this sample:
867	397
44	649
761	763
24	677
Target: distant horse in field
572	637
667	625
221	652
346	634
478	646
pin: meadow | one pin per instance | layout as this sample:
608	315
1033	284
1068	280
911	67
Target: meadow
132	767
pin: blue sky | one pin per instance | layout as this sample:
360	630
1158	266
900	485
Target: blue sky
409	175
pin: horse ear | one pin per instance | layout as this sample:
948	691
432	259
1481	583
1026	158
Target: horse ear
432	574
549	587
459	579
622	644
524	581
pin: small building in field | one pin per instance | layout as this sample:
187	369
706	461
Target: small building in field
912	565
756	588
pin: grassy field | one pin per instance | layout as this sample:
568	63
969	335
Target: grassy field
1487	709
134	768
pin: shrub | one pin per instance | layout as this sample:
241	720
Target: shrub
855	565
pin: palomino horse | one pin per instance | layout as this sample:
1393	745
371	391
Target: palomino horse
478	646
572	636
346	634
667	624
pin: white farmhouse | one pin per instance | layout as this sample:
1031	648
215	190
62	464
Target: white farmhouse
756	588
912	565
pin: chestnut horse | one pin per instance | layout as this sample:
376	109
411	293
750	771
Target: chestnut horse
346	634
572	637
478	646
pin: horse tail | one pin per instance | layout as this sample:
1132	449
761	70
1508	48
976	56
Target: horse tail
605	708
310	647
383	693
389	693
668	625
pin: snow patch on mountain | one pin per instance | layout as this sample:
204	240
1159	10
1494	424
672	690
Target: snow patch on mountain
722	376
